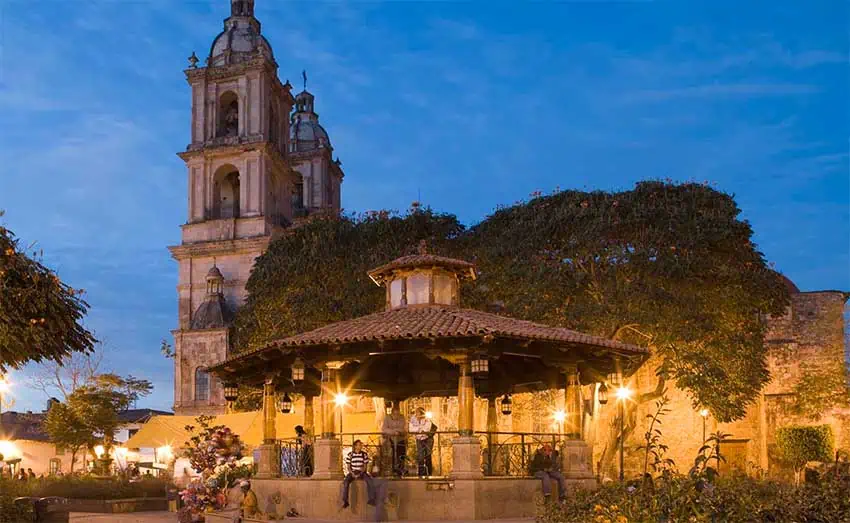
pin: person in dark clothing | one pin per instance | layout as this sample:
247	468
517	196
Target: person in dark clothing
305	452
358	467
546	467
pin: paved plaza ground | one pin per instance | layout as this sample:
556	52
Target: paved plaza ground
170	517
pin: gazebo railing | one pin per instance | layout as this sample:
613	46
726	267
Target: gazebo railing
510	453
296	457
382	453
502	453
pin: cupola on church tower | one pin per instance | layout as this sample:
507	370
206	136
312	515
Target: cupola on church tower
257	160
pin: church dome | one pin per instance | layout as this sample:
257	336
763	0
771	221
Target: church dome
242	38
308	135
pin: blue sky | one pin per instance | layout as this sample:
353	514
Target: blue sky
472	104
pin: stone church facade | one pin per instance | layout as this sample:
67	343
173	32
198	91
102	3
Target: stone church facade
258	160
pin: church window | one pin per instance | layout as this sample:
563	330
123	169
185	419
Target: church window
228	109
226	193
202	385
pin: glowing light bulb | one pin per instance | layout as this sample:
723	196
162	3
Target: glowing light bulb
624	393
704	413
340	399
559	416
429	414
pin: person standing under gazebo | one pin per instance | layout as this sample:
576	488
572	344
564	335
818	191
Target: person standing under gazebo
393	431
422	428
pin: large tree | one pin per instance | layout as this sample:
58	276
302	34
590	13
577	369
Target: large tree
67	431
668	266
97	404
40	316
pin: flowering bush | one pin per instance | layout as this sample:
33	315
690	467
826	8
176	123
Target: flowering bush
214	452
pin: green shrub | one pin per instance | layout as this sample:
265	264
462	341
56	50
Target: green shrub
84	487
800	445
681	498
10	513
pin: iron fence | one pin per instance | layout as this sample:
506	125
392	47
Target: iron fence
510	453
502	453
296	457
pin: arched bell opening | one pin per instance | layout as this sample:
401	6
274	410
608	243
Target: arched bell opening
226	187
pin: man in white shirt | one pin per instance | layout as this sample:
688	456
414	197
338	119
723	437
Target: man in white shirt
422	430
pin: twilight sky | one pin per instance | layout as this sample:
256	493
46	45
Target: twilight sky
472	104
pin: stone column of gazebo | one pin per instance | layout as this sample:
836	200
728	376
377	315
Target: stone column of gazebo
424	343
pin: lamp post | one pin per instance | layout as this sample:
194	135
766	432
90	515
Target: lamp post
704	414
623	393
340	399
3	386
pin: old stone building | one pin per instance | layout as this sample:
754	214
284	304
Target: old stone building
810	337
258	160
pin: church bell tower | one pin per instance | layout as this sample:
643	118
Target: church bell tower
243	191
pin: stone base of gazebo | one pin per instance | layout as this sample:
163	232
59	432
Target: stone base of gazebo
412	499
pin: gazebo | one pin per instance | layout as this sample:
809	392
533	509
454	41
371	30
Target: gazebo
426	344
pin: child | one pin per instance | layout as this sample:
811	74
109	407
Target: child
358	463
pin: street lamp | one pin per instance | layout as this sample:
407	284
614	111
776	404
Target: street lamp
298	370
623	393
603	394
559	418
340	399
704	413
4	386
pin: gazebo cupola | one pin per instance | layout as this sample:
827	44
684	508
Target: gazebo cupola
422	279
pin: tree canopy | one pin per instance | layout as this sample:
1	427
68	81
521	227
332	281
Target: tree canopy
90	413
40	316
664	265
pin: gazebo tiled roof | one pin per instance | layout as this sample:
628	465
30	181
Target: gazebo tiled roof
431	321
423	260
414	345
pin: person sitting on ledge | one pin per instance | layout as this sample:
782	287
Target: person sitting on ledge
358	463
546	466
249	506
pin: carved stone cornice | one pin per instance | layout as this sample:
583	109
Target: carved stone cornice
216	248
221	72
233	145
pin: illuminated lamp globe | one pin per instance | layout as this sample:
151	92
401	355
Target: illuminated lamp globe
286	404
231	391
480	366
298	370
603	394
506	405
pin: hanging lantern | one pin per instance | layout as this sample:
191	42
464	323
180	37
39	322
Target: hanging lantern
286	404
506	405
603	394
231	391
480	365
298	370
389	407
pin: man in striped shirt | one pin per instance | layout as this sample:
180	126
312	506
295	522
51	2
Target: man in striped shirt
357	462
